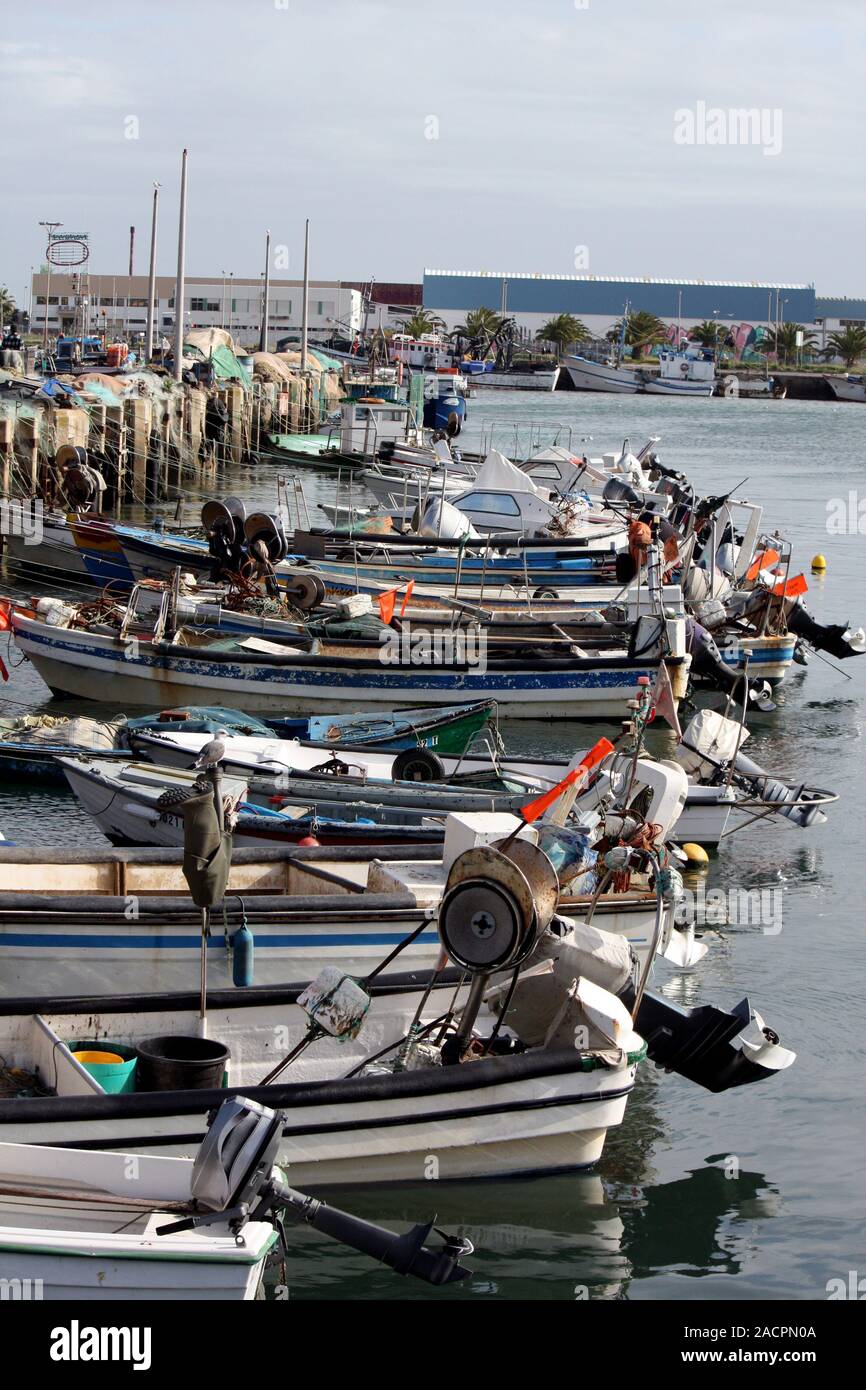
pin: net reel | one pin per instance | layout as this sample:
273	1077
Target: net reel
497	901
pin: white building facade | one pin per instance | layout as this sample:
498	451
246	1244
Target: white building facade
116	306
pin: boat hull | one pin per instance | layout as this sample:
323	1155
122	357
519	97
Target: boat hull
535	1112
93	667
598	376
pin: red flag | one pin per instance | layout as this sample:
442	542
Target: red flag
409	587
597	754
663	699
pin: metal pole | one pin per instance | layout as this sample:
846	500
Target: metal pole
131	250
306	306
180	283
52	227
151	283
263	335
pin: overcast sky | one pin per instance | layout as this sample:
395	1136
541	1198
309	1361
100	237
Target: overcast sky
556	123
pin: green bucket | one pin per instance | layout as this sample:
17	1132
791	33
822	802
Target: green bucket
111	1064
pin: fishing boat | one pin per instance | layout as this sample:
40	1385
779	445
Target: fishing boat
30	745
389	1070
847	388
118	914
449	729
690	371
75	1226
533	379
532	1111
128	801
267	677
371	776
609	376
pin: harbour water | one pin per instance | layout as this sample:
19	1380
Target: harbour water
757	1192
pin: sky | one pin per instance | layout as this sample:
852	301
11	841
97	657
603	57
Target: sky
552	136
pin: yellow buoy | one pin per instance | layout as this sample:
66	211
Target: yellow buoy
819	563
696	854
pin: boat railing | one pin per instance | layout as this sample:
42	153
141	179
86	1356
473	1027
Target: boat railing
519	438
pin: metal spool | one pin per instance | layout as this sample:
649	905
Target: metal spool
236	507
215	516
306	591
260	526
72	454
496	901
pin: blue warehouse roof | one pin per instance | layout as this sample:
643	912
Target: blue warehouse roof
843	308
597	294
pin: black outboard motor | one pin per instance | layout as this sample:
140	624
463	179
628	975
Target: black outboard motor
235	1180
839	641
707	662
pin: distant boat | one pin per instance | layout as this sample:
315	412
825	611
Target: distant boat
544	379
609	376
847	388
690	372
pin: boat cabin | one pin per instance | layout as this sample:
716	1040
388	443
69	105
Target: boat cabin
368	422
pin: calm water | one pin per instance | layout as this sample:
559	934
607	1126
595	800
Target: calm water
661	1217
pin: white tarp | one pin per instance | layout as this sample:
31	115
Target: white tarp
497	473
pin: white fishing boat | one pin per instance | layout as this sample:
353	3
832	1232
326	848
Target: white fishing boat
264	676
688	372
80	1225
121	918
384	1076
538	379
610	376
703	817
847	388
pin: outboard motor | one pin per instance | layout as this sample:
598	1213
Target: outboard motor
235	1180
707	662
839	641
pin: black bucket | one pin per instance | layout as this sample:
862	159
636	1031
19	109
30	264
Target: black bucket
175	1063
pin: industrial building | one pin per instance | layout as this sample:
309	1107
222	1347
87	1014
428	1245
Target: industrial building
599	300
116	305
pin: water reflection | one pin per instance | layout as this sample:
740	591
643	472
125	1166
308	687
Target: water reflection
567	1236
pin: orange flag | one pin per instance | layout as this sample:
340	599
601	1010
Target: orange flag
793	588
409	587
762	561
386	605
597	754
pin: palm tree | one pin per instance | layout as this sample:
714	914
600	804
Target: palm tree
849	344
7	304
480	323
783	341
706	333
642	329
422	321
563	330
